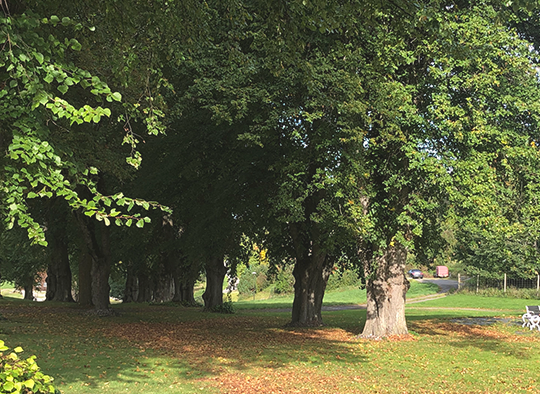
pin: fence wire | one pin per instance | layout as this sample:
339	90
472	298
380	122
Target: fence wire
502	284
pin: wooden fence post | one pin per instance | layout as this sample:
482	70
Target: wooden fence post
459	281
504	286
477	283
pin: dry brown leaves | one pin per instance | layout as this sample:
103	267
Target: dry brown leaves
226	347
250	355
429	327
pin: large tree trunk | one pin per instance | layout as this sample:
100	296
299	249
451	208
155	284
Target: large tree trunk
85	279
97	243
163	288
311	276
311	271
386	287
215	274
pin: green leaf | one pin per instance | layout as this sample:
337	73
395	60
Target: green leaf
75	45
39	57
63	88
29	384
116	96
140	223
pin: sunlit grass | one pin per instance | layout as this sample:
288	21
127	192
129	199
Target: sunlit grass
151	349
343	296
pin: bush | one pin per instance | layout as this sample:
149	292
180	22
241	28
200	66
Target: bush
247	282
227	308
22	376
284	283
346	278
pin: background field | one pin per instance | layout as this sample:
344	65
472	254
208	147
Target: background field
166	349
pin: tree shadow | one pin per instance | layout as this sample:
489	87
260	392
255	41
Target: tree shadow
174	344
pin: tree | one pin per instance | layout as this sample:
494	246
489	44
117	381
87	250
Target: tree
45	116
363	122
463	114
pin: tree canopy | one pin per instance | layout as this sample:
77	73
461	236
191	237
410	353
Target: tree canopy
322	131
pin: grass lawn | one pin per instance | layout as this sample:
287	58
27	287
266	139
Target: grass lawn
164	349
345	296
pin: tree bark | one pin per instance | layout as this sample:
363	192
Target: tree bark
132	286
386	287
311	271
184	291
101	270
29	289
311	276
85	279
97	243
163	288
145	288
59	270
215	274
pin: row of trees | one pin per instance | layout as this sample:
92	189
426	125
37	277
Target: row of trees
327	132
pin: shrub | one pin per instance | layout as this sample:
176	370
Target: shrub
227	308
247	280
284	283
22	376
346	278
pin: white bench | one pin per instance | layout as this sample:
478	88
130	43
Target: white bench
531	318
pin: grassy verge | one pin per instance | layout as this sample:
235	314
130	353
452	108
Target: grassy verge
343	296
149	349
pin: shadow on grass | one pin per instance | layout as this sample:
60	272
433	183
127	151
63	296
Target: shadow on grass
176	346
166	345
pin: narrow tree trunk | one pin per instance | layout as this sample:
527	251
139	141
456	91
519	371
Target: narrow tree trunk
29	289
59	271
51	284
145	291
184	291
215	274
131	289
311	276
85	279
101	270
386	287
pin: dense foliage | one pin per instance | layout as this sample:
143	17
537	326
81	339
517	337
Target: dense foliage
330	133
22	375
